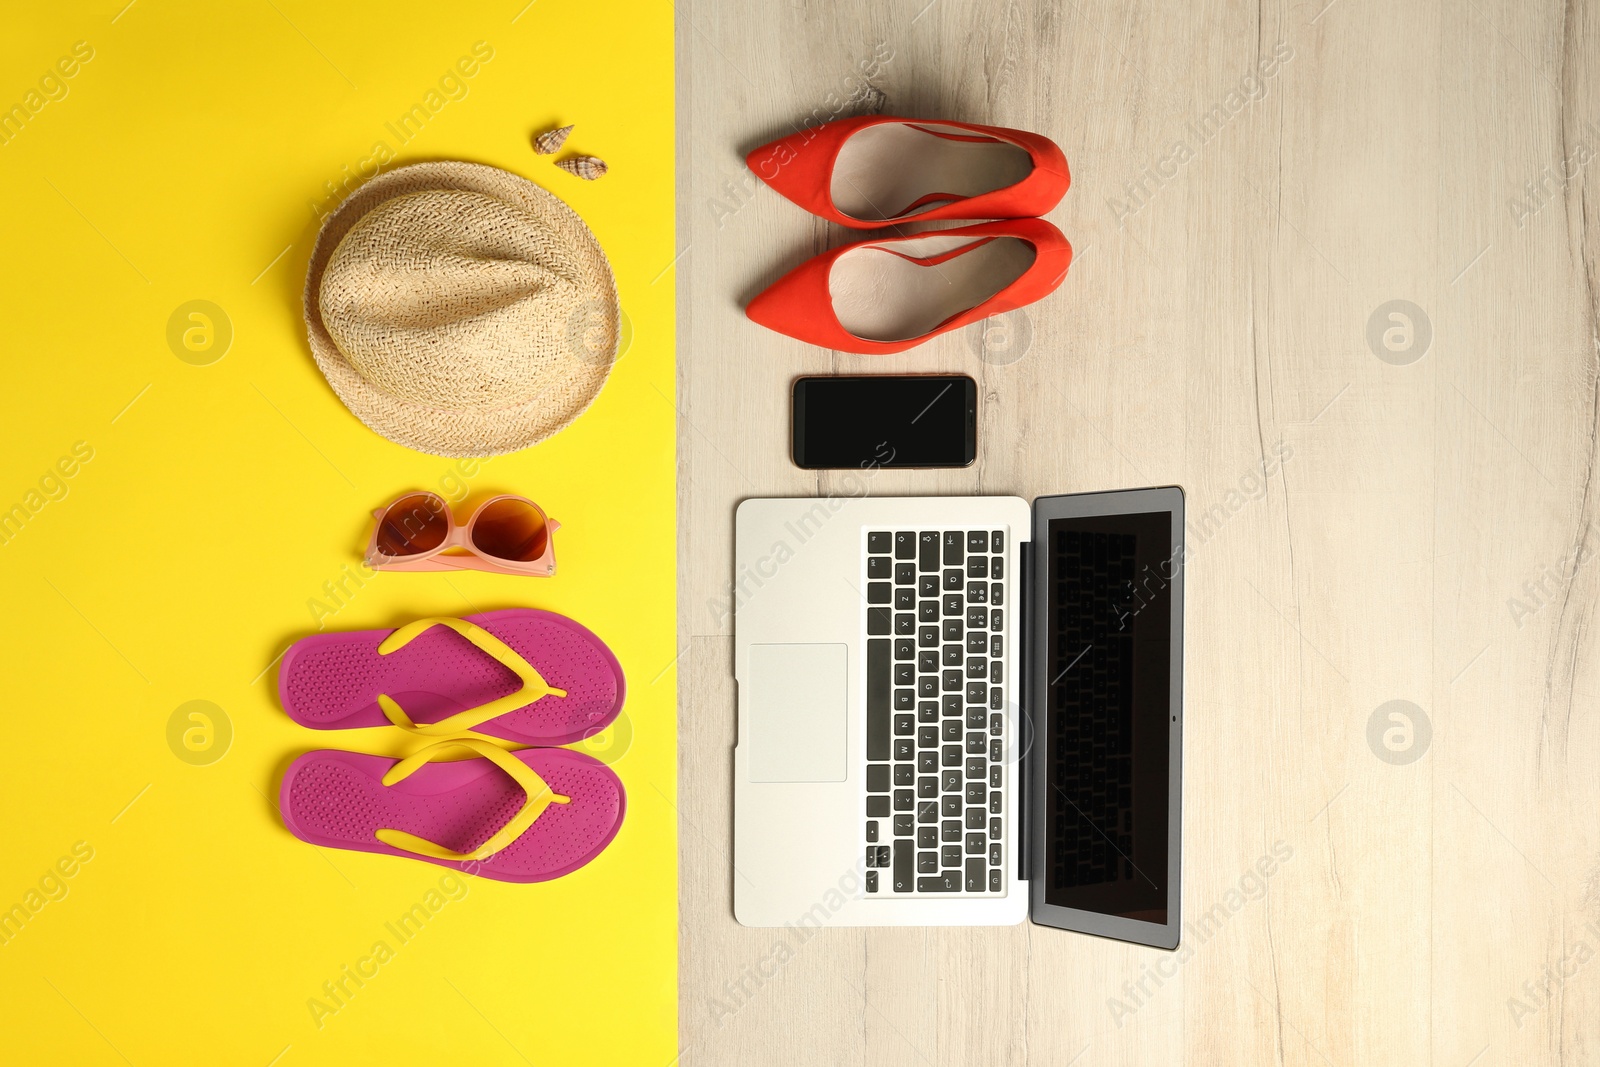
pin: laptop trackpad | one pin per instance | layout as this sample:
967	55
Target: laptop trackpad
797	713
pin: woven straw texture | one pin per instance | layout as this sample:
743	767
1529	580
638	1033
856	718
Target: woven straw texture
461	310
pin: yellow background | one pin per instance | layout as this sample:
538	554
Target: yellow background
189	152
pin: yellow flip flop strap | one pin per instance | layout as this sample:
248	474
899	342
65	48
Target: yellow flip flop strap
540	796
534	687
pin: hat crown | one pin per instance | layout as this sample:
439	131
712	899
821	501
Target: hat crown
455	299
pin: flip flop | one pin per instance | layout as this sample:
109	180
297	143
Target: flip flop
525	816
520	675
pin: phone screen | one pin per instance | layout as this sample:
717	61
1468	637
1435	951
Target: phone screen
903	420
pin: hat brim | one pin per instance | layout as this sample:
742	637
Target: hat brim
481	431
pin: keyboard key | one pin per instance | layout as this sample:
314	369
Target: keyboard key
994	802
995	751
994	829
883	855
872	881
928	837
927	711
905	674
928	686
952	681
950	756
975	818
950	730
904	775
975	874
975	792
927	762
877	777
927	585
905	648
996	620
872	830
977	566
995	646
953	605
994	881
952	580
974	846
977	643
905	545
927	812
951	627
997	725
996	698
878	699
942	883
905	573
997	567
953	545
997	542
878	541
904	700
977	741
996	670
878	592
927	611
904	598
902	825
977	540
903	748
928	637
905	624
952	655
880	567
977	592
903	799
950	805
950	856
952	705
996	594
977	693
976	766
950	781
994	776
878	621
994	855
927	863
928	551
928	787
977	667
977	618
904	858
927	661
950	830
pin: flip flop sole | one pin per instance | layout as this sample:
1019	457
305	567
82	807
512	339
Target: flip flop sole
338	800
332	681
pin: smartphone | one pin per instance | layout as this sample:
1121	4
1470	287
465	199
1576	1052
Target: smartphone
885	420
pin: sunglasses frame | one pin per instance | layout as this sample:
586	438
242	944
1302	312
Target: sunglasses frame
459	535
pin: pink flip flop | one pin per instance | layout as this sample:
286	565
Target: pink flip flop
521	675
525	816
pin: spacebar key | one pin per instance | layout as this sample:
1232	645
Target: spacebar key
948	882
878	711
903	857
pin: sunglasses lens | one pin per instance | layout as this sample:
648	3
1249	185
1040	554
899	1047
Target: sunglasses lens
511	530
413	524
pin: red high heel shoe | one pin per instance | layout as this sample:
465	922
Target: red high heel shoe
887	295
877	170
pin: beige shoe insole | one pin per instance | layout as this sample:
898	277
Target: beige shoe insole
884	169
880	296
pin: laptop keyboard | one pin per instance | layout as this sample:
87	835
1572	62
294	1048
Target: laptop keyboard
936	669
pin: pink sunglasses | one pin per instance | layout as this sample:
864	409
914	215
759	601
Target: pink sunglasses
507	534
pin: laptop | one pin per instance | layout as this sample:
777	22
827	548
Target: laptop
960	711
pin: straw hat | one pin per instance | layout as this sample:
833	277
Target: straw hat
460	310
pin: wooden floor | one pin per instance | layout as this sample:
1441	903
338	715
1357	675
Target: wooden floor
1388	502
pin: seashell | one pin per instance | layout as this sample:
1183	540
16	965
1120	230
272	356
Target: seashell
586	167
550	142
